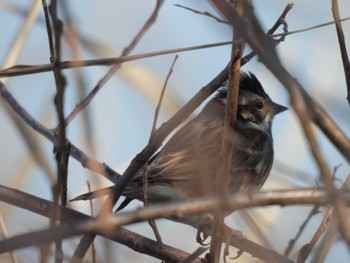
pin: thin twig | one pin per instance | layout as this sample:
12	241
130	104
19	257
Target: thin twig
218	19
342	46
32	69
152	223
156	114
132	169
115	67
302	227
305	251
86	161
20	70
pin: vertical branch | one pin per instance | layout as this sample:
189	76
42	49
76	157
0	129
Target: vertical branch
223	173
263	46
62	148
342	46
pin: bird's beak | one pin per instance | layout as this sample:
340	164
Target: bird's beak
278	108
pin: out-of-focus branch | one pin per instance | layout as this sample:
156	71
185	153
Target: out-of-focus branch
224	168
104	225
327	219
121	235
263	46
119	187
115	67
86	161
342	46
204	13
20	70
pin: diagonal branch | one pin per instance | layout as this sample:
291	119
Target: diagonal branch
121	235
263	46
103	226
115	67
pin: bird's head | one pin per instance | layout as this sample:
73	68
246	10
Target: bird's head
255	108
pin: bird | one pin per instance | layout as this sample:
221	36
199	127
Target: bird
187	165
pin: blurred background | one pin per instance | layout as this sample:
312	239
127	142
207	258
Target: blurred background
117	123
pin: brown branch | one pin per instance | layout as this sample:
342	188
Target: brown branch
263	46
115	67
129	173
76	153
20	70
199	205
280	19
59	189
223	172
342	46
292	242
156	114
152	223
218	19
305	251
121	235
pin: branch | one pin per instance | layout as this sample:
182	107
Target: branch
20	70
119	187
327	219
76	153
80	224
115	67
223	171
121	235
263	46
342	46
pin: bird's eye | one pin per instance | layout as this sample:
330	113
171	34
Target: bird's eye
259	105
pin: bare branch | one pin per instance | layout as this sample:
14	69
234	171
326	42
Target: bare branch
199	205
121	235
115	67
162	94
129	173
305	251
80	156
342	46
223	172
218	19
20	70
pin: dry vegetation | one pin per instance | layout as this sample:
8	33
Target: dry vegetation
44	131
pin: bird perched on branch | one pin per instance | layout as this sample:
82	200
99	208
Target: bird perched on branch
187	164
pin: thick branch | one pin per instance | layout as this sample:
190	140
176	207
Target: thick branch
123	236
